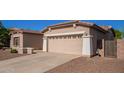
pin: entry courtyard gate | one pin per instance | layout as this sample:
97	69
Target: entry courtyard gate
110	48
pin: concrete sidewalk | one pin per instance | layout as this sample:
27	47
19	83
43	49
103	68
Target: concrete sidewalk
40	62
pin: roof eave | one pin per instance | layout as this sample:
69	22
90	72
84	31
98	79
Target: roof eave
92	25
99	28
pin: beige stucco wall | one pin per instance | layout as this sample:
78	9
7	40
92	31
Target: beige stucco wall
120	48
66	44
27	40
33	40
109	36
67	29
20	35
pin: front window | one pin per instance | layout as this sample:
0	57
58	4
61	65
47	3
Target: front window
16	41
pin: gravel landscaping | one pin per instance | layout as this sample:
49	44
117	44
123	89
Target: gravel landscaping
5	54
91	65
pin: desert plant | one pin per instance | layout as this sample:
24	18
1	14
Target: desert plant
14	51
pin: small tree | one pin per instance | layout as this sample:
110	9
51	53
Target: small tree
123	34
4	36
118	34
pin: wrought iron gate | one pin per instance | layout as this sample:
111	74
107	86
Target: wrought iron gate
110	48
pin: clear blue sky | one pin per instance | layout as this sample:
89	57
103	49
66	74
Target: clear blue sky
40	24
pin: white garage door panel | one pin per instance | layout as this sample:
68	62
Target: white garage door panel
65	45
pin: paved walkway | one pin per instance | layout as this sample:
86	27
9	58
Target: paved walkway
40	62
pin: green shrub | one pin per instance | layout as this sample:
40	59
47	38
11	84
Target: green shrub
118	34
14	51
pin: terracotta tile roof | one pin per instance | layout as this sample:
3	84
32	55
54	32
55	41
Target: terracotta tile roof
24	31
87	24
72	22
64	23
69	23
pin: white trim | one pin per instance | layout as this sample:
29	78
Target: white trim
88	36
63	34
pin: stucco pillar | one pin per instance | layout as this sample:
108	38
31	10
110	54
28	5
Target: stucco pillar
87	47
11	41
45	44
21	41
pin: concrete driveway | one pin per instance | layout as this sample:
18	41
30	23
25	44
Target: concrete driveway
40	62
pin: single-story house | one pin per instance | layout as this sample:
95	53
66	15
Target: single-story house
75	37
21	38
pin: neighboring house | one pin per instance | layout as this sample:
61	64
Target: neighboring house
21	38
76	37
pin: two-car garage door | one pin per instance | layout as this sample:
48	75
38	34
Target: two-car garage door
65	44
